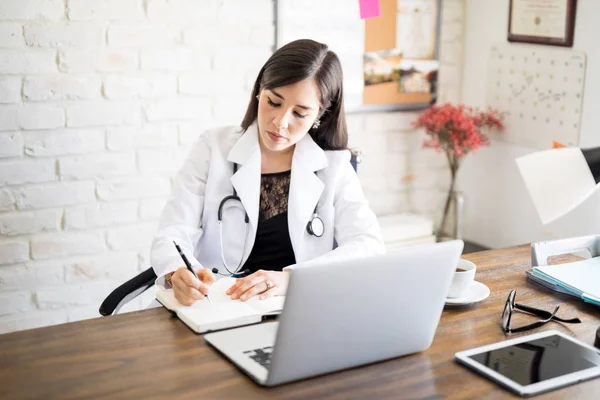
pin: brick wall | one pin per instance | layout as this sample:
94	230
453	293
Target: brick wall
99	102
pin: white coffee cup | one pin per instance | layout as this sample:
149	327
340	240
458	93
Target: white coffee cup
462	279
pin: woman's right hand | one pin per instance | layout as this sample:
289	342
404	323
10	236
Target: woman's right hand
187	288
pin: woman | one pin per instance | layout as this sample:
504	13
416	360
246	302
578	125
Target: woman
298	193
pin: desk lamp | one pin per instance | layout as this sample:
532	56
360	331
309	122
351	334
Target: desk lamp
560	179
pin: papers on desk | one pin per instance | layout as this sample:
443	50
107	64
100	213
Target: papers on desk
580	279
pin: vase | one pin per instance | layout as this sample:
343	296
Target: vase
451	224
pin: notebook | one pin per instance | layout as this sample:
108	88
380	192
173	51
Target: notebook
224	312
580	279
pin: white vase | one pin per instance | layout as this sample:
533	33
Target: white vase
453	223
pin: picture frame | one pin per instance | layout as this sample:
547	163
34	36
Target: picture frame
546	22
364	46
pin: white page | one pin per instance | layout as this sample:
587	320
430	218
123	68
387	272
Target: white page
583	275
217	291
203	314
218	295
206	316
272	305
223	308
558	180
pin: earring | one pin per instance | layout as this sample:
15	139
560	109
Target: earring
316	124
256	97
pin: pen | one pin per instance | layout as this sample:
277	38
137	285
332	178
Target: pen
188	265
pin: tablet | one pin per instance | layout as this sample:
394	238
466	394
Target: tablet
536	363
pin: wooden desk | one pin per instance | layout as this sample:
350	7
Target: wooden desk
148	354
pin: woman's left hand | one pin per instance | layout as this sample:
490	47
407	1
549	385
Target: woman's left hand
263	283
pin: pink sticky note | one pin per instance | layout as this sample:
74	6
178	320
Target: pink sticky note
369	8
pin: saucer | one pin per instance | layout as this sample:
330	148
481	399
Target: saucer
477	292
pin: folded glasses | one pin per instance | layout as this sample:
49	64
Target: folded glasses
510	306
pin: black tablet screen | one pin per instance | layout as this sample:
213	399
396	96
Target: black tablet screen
539	360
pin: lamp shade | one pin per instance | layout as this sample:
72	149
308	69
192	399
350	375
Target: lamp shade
559	180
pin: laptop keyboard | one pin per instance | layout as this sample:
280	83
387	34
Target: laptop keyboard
261	355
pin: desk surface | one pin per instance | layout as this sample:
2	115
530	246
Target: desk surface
148	354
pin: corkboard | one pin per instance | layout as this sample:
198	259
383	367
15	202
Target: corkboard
401	54
386	39
380	32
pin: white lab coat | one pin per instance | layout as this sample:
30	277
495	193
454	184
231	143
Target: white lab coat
190	215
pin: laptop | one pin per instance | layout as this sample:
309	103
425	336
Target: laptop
345	314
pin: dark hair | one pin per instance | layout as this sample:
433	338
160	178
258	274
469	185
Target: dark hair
295	62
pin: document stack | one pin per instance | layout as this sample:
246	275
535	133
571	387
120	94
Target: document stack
405	229
580	279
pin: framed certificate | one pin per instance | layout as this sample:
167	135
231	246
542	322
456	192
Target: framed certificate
550	22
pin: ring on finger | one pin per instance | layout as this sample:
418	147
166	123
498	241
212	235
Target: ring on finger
269	285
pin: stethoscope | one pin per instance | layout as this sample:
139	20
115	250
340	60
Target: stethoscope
315	227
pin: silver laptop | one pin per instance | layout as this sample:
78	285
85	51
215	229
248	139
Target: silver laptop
345	314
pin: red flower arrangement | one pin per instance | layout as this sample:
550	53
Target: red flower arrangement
456	131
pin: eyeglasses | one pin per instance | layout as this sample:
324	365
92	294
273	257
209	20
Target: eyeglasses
510	306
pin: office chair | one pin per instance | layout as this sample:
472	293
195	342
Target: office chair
145	280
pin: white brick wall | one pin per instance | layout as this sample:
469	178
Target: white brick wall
144	35
97	165
63	142
100	100
150	135
99	215
96	60
147	85
27	171
61	87
11	144
138	236
41	116
182	11
53	195
37	273
27	61
105	10
13	251
10	89
26	223
59	34
11	35
150	209
135	187
178	109
15	302
7	200
114	265
45	246
102	113
32	10
174	59
8	118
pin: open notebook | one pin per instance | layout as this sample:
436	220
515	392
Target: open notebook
224	312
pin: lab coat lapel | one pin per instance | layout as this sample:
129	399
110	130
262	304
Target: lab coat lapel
305	191
246	181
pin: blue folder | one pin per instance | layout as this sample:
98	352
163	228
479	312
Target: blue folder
580	279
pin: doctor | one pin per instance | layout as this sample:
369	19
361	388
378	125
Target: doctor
273	195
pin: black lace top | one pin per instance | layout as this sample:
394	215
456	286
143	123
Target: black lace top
272	248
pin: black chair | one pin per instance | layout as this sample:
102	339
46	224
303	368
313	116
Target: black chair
145	280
